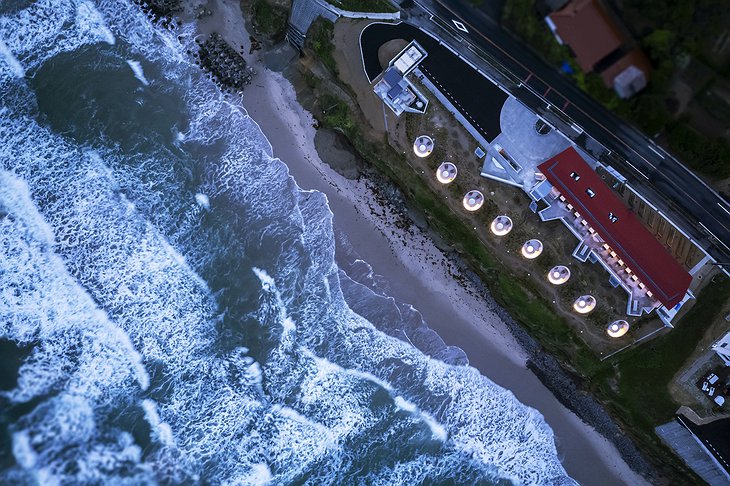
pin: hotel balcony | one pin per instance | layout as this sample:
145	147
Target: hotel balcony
592	246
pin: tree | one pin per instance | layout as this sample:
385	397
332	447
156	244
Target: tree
659	44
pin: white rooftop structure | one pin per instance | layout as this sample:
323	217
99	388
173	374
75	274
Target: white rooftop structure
394	89
629	82
617	328
559	274
532	249
473	200
423	146
501	225
446	173
409	58
722	348
584	304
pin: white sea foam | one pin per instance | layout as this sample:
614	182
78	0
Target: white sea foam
161	430
15	67
330	388
138	71
23	450
89	19
202	200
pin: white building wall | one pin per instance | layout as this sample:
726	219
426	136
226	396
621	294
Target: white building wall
722	348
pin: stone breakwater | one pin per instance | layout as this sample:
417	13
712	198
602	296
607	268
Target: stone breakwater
226	66
161	11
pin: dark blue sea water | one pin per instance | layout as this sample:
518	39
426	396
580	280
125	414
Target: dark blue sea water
170	309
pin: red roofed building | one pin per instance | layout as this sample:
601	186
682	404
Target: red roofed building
600	46
642	256
588	30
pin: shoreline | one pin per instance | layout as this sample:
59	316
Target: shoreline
425	279
452	299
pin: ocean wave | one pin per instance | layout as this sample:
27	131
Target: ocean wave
190	340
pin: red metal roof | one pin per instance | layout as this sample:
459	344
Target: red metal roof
632	242
588	30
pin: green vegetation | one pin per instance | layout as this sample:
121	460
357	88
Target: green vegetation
666	30
376	6
644	373
710	156
319	39
269	19
520	17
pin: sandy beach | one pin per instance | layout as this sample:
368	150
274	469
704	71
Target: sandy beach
417	272
420	274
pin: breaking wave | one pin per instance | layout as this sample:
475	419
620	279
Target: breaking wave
171	298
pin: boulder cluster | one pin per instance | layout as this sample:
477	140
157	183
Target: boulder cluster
161	11
225	65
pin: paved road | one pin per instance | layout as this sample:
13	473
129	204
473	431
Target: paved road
715	436
667	183
477	98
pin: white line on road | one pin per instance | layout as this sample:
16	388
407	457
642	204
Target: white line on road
637	170
713	235
655	151
460	26
723	208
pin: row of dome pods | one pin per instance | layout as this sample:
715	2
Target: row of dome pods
502	225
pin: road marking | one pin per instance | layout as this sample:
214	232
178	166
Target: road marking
460	26
713	235
655	151
637	170
622	142
606	130
723	208
719	456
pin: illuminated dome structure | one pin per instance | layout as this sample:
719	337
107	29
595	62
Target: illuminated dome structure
501	225
559	274
423	146
473	200
584	304
532	249
446	173
617	328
